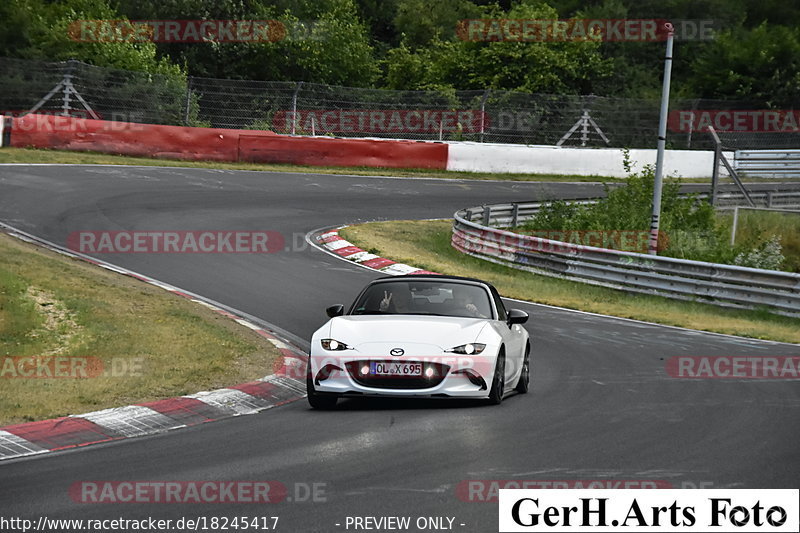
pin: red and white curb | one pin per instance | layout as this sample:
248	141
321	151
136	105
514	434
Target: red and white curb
332	242
284	385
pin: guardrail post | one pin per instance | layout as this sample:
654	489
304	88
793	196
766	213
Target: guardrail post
769	198
514	214
487	215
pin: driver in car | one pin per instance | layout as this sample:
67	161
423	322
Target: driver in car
396	301
464	301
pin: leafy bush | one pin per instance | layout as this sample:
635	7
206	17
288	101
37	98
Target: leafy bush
629	207
767	256
690	228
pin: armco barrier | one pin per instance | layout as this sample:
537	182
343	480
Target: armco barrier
213	144
768	163
723	285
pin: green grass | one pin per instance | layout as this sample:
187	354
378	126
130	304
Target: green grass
51	305
426	244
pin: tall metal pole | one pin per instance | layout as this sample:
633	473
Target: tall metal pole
662	141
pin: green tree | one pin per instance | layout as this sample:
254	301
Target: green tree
762	64
34	29
550	67
421	22
325	41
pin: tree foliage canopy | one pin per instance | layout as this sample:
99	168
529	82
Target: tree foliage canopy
413	44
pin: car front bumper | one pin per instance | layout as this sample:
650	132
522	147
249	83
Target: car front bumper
447	375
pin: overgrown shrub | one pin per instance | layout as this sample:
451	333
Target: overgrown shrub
690	228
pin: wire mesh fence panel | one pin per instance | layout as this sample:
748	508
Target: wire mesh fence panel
315	109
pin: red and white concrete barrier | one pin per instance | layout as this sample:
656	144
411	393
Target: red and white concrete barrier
215	144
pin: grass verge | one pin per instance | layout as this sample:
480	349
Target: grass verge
426	244
30	155
150	344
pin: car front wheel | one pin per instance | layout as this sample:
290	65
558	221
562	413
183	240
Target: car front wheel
317	400
525	376
499	381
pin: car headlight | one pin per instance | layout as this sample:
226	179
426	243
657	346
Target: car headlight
334	345
471	348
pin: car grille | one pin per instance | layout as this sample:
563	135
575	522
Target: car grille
399	382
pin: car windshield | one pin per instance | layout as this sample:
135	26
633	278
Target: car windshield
436	298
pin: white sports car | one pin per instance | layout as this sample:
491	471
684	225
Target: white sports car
420	336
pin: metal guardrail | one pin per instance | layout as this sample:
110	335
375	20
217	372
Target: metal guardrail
476	231
760	199
768	163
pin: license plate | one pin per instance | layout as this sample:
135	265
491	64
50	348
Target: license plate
395	369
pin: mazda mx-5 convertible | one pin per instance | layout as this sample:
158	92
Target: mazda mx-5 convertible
420	336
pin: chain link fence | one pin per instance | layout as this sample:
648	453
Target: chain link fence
301	108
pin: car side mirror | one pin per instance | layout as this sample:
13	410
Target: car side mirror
338	310
516	316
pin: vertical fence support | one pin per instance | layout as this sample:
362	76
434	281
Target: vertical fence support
188	100
735	222
65	105
294	105
731	171
483	111
715	173
514	214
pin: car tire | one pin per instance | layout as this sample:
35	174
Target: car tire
317	400
523	384
498	381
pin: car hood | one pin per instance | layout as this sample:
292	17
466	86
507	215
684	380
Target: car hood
441	331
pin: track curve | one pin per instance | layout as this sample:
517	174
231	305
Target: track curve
601	406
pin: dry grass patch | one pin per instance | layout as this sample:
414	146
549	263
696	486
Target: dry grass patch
152	343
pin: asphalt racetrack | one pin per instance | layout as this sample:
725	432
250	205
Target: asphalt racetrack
601	406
